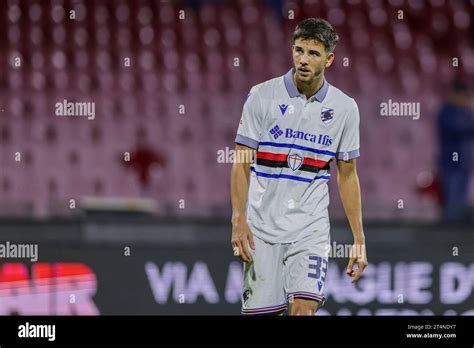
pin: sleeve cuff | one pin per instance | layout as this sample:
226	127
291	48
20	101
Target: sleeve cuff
347	155
240	139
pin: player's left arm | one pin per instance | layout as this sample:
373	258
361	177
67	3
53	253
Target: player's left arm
349	191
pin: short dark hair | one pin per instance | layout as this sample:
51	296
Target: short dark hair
317	29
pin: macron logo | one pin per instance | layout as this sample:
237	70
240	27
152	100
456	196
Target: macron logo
283	108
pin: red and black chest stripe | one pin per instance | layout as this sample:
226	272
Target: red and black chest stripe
276	160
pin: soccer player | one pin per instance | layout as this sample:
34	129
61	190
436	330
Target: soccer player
292	126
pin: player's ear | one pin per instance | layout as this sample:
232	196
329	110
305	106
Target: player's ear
330	59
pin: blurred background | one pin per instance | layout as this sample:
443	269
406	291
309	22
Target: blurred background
129	202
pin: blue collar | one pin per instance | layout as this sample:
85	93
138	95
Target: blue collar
293	91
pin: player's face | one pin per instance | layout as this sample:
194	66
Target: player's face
310	59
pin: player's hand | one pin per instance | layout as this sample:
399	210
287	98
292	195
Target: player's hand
358	256
241	238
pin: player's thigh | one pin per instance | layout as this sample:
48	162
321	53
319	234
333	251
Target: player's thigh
263	289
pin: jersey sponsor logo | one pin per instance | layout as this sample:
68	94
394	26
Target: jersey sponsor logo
276	132
322	139
327	115
313	138
283	108
295	161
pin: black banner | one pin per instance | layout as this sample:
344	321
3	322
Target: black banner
228	330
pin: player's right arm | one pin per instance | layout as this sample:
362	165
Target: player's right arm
247	140
239	184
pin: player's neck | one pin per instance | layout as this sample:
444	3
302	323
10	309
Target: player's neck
309	89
